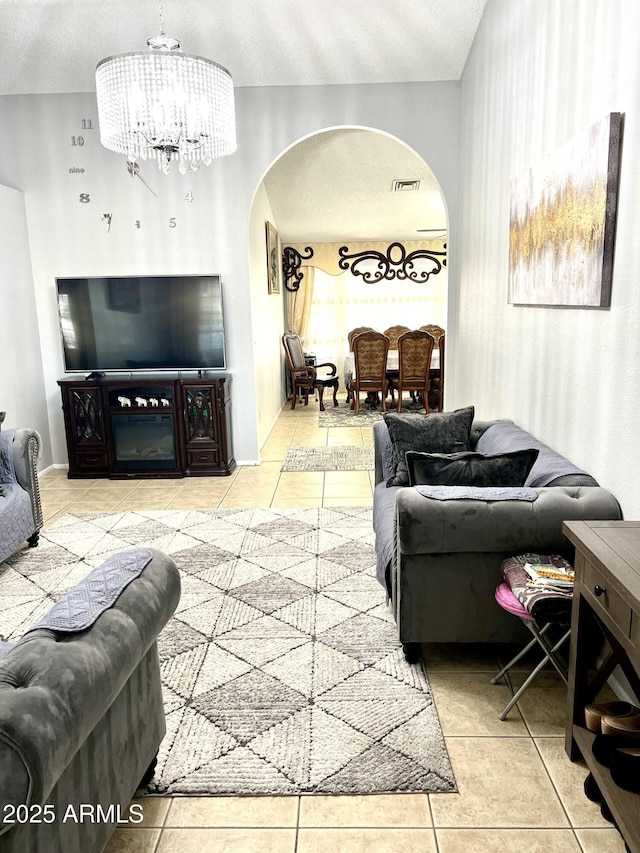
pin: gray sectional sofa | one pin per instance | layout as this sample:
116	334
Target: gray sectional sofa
81	710
439	559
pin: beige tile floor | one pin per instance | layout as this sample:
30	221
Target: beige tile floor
517	789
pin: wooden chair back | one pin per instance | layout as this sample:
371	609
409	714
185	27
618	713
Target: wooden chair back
293	350
393	333
370	351
357	331
436	382
435	331
414	363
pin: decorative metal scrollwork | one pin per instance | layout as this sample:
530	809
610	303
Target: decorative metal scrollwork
396	264
291	263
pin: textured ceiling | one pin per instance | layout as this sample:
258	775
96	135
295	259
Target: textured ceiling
53	45
342	177
342	180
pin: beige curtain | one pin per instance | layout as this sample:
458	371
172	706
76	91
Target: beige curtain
299	302
340	303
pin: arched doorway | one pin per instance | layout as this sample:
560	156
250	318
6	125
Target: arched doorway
343	186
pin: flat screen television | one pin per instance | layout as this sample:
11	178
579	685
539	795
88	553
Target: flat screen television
141	323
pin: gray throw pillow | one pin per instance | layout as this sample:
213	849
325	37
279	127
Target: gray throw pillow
439	432
470	469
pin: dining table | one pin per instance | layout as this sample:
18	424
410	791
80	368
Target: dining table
392	363
391	370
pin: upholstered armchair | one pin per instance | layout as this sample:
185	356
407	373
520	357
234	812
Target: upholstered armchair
304	377
20	507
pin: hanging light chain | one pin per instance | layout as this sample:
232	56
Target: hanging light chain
161	12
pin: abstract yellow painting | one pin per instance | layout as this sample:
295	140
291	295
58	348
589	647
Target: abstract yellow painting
562	222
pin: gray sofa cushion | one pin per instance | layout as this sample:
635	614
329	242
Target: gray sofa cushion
550	469
440	432
470	469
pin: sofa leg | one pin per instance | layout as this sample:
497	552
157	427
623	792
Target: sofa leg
412	652
148	773
32	541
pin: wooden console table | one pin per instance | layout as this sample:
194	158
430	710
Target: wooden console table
606	614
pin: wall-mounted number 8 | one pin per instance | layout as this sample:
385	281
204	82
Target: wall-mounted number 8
85	198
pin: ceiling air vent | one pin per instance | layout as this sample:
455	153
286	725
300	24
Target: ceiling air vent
405	186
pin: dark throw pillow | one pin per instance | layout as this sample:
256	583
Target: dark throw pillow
439	432
470	469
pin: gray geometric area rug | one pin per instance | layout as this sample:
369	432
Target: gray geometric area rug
344	416
281	668
346	458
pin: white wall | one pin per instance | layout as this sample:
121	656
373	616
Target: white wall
213	233
268	320
22	394
540	72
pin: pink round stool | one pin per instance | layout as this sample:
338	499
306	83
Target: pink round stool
507	600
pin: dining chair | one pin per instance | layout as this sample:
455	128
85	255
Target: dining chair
436	383
370	355
304	377
393	333
414	363
435	331
357	331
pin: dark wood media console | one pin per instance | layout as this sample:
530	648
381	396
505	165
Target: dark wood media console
148	426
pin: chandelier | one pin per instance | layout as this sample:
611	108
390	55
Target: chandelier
166	105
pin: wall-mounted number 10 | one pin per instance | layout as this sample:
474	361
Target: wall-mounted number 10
79	140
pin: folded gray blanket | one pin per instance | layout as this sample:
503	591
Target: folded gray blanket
95	593
7	469
477	493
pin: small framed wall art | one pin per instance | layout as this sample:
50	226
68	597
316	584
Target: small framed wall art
562	222
274	264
